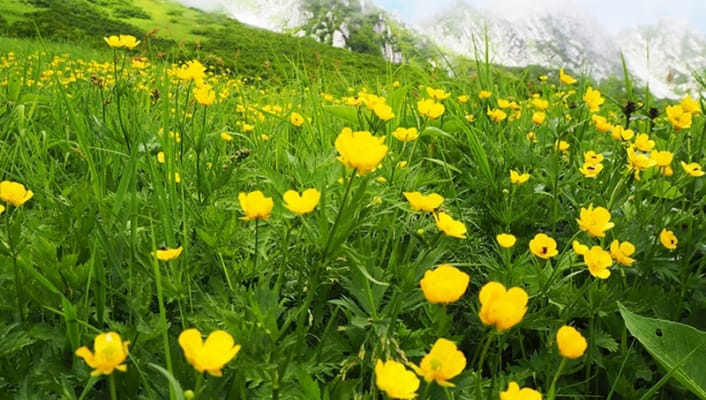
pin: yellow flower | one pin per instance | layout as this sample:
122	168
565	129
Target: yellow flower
405	134
679	118
442	363
226	137
598	261
620	133
543	246
518	179
255	205
668	239
540	104
211	355
437	94
593	99
621	252
463	99
601	123
383	111
191	71
109	354
14	193
204	94
450	226
591	170
296	119
538	117
113	41
566	78
470	117
579	248
504	103
420	202
543	78
303	204
360	150
445	284
643	142
663	159
160	157
500	307
561	145
594	221
514	392
591	157
639	162
690	105
167	254
484	94
532	137
693	169
506	240
430	109
128	41
395	380
497	114
571	343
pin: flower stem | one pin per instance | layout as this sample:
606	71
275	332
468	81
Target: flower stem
111	386
552	388
332	232
479	369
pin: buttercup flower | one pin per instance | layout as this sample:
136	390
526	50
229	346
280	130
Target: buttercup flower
643	142
639	162
593	99
303	204
595	221
497	114
450	226
211	355
598	262
442	363
621	252
601	123
518	179
506	240
543	246
690	105
109	354
566	78
204	94
663	159
571	343
405	134
500	307
14	193
360	150
579	248
538	117
113	41
395	380
590	170
668	239
420	202
484	94
444	285
191	71
430	109
620	133
693	169
255	205
383	111
680	118
167	254
296	119
514	392
540	104
561	145
437	94
591	157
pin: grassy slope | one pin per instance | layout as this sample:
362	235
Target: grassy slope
193	32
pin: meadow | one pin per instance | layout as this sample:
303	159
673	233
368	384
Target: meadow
173	229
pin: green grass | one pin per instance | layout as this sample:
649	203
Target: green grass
315	300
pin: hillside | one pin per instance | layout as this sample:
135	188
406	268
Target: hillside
184	32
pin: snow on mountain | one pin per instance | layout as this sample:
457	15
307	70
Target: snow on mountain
555	33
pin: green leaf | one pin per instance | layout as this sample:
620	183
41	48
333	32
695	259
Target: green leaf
675	346
172	381
346	113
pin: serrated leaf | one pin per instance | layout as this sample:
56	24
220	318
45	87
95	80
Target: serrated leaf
605	340
679	348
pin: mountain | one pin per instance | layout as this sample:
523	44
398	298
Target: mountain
561	35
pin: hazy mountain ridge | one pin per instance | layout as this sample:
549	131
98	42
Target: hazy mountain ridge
562	37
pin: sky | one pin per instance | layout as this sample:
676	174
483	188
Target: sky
613	15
